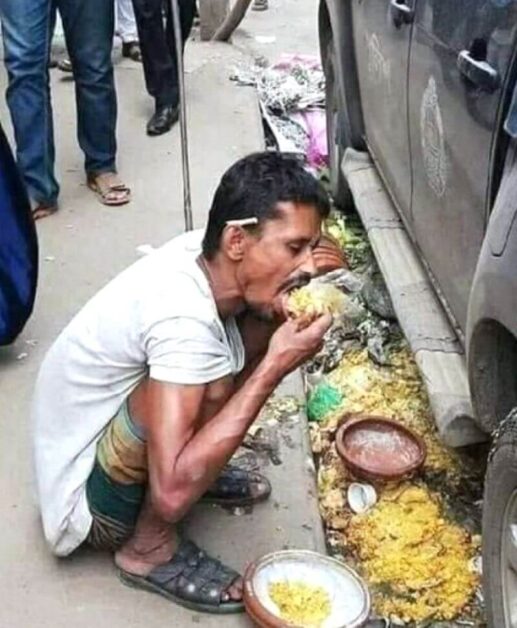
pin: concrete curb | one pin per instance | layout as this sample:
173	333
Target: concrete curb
294	386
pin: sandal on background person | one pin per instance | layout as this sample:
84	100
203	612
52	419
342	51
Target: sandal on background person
260	5
109	188
65	65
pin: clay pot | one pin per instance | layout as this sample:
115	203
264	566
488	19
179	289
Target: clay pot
329	256
374	448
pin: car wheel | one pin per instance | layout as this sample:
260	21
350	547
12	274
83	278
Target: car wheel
336	133
500	527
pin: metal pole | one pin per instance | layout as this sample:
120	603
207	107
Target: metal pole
187	200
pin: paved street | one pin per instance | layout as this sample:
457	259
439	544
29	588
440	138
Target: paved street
81	248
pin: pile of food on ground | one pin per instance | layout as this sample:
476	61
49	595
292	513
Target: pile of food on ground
418	545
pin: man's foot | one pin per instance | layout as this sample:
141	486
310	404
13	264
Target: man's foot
187	577
131	50
109	188
65	65
162	120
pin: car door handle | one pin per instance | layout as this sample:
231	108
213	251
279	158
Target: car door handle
401	13
478	72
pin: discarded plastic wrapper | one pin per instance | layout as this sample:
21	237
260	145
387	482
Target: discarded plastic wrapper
292	98
312	378
323	400
377	297
314	123
343	279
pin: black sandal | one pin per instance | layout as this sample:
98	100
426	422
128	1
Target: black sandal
191	579
233	488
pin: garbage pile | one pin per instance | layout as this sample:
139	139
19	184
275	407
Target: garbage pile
417	541
292	100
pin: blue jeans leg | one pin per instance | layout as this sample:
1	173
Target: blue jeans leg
89	28
26	27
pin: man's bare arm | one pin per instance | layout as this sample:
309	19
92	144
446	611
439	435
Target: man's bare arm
255	335
183	462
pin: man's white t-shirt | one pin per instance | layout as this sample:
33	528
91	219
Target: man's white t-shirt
156	318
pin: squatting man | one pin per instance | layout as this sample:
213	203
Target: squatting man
145	396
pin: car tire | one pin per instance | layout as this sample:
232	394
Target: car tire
500	527
336	132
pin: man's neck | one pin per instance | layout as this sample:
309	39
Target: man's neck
225	290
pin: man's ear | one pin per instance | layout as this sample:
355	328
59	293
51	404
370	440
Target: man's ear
233	242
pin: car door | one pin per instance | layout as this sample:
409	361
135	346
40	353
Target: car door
382	37
460	55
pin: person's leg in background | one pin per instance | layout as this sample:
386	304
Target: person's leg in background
27	27
57	35
89	30
64	63
126	30
159	70
187	12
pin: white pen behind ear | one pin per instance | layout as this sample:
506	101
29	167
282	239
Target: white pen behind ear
244	222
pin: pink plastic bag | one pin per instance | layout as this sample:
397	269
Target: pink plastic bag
315	124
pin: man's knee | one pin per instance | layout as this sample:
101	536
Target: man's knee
93	66
25	61
26	41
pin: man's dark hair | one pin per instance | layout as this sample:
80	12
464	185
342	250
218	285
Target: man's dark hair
253	187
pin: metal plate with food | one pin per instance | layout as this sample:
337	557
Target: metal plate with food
304	589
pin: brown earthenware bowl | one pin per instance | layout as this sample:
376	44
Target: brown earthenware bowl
374	448
329	256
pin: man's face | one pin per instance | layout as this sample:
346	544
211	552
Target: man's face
280	258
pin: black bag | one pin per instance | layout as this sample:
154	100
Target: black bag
18	249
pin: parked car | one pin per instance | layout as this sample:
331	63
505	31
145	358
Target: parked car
18	249
422	128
